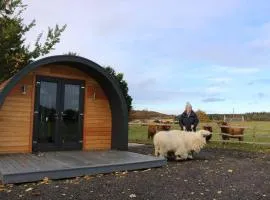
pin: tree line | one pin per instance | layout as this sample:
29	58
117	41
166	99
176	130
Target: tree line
252	116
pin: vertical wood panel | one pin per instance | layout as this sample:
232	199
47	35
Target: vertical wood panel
16	119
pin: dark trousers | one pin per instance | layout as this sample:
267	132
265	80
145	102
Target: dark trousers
189	129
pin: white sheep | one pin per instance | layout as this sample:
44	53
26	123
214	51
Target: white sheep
182	143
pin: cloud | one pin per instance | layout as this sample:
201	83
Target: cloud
213	99
261	95
236	70
262	40
154	95
220	79
214	90
260	43
260	81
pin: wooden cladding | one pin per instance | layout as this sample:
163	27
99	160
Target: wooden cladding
15	119
16	114
95	93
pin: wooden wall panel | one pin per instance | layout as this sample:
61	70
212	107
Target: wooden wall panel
15	119
16	114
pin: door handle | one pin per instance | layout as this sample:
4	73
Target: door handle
62	115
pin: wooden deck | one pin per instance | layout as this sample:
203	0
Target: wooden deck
18	168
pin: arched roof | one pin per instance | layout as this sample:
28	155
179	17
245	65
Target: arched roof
106	81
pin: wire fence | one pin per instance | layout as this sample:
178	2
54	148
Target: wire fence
251	134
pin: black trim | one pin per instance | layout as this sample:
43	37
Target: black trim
107	82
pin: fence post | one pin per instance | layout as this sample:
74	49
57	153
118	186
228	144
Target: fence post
254	133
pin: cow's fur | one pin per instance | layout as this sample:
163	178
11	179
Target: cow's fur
153	129
233	131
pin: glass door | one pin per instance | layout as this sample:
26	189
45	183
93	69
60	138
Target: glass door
72	114
46	114
58	115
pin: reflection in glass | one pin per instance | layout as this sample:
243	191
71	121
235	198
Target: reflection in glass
47	109
70	115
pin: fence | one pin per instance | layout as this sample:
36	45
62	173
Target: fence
252	135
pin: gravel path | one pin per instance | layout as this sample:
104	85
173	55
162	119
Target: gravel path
213	174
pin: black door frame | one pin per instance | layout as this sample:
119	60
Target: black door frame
58	145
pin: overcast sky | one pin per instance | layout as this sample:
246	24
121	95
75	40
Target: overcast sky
215	54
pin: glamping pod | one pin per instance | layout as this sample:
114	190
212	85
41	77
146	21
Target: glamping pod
62	103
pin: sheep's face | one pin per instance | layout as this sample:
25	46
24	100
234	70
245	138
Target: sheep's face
204	133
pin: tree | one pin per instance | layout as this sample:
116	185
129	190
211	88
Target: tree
123	85
202	116
70	53
14	53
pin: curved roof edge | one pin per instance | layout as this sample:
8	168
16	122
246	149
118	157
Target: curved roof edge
10	83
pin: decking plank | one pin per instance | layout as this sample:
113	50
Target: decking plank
17	168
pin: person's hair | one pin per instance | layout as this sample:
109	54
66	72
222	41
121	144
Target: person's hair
188	105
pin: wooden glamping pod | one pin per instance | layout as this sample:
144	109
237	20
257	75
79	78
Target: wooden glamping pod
62	103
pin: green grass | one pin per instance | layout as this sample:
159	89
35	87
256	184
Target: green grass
257	133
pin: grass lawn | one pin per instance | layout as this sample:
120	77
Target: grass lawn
256	132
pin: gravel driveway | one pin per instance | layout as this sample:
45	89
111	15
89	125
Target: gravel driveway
213	174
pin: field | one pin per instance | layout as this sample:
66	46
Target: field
256	132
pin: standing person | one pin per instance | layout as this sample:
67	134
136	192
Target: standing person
188	120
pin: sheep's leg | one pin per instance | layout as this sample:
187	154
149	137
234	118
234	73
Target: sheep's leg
163	153
190	155
157	151
181	155
185	156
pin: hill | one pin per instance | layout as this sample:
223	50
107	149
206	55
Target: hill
145	114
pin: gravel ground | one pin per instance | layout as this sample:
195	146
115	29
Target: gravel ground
213	174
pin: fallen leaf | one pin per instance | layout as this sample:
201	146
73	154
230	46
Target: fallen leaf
146	170
28	189
219	192
45	179
87	177
230	170
36	193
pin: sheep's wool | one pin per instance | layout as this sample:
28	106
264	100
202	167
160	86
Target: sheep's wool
180	142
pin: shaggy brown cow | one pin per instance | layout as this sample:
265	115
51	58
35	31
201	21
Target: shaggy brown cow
233	131
153	129
210	129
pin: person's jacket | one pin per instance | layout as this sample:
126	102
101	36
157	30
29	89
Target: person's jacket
187	121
